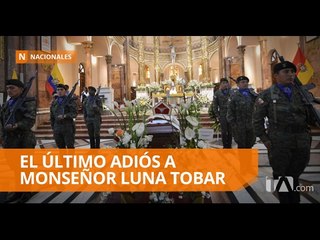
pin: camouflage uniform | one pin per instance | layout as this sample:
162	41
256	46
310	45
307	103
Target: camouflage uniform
220	103
288	133
20	137
92	110
64	129
239	115
23	136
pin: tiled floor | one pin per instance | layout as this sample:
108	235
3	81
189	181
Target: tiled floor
255	193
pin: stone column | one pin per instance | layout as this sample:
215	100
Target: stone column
227	65
108	60
222	72
87	48
189	59
29	70
13	44
141	79
1	48
205	60
241	50
156	41
265	66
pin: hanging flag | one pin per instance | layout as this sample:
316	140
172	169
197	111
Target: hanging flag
14	75
304	68
54	79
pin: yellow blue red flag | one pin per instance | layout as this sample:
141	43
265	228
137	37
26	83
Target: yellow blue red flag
304	68
54	79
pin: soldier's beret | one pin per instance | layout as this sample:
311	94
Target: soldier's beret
15	82
283	65
92	88
242	78
223	80
60	85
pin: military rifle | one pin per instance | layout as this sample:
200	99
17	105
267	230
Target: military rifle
21	99
233	79
308	98
67	99
96	97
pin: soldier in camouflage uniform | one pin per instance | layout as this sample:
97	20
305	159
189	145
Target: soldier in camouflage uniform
287	136
239	113
92	110
220	103
61	118
17	132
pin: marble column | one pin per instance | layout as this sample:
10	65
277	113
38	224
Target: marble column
227	66
29	70
205	59
108	61
156	40
141	79
13	43
222	72
241	50
189	59
1	48
88	67
265	65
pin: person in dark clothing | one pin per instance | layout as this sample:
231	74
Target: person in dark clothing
240	111
287	134
92	110
15	132
62	119
220	104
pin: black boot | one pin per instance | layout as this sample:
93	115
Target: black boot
97	142
92	143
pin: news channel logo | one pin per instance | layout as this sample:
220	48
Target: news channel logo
284	184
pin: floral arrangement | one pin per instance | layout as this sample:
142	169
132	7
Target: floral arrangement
167	82
160	197
141	88
154	87
202	100
206	85
216	124
194	85
181	81
188	116
132	132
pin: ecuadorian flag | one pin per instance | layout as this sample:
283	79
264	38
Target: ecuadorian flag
54	79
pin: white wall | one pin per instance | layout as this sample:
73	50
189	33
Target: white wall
69	71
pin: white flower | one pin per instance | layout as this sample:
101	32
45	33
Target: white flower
189	133
139	129
202	144
126	138
160	197
110	130
181	81
192	120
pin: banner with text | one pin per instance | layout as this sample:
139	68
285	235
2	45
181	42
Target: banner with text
132	170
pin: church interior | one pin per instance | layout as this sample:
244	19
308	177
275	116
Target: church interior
129	67
165	71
